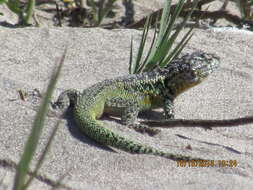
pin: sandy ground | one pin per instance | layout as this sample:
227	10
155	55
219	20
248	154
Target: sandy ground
28	56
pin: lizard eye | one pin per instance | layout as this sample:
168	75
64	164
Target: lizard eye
190	76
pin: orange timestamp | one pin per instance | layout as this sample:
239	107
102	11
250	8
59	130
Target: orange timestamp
207	163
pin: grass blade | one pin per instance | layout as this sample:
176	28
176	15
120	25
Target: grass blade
32	142
179	29
170	39
43	155
177	50
104	11
132	65
150	49
142	45
161	52
164	20
153	57
29	11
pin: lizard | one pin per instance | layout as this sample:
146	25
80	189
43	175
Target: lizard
128	95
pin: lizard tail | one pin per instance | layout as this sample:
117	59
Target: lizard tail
95	130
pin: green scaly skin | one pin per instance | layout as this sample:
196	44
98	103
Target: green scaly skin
131	94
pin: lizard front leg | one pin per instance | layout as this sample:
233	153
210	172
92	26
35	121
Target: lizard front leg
169	109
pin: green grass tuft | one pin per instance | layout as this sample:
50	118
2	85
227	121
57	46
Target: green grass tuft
161	51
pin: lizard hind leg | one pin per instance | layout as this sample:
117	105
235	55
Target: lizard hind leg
129	118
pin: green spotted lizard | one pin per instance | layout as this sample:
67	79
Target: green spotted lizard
131	94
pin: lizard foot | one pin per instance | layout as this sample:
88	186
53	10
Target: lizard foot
141	128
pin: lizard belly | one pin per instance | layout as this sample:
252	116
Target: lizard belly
149	102
97	110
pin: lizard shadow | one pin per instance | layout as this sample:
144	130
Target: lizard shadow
77	133
155	115
206	124
151	115
145	115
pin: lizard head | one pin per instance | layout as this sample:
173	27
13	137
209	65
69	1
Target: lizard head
190	70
